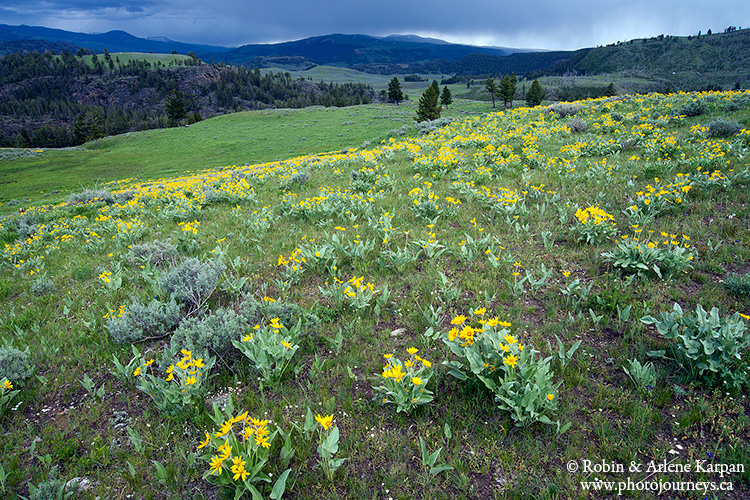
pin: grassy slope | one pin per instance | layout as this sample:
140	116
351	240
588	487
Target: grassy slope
612	422
234	139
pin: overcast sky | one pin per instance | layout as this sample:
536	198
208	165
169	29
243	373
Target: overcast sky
541	24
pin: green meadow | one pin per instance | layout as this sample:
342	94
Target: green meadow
532	303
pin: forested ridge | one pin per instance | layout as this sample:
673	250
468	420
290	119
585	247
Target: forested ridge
50	100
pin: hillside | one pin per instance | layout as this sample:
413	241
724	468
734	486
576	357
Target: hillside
114	41
720	59
49	101
492	309
355	51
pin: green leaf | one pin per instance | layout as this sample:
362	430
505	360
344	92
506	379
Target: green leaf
279	487
440	468
253	490
331	443
433	457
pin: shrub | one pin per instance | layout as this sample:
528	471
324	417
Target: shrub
212	334
723	128
192	282
138	322
295	180
25	225
578	124
429	126
564	109
43	286
256	312
694	108
123	197
157	253
711	348
51	489
14	363
91	195
738	284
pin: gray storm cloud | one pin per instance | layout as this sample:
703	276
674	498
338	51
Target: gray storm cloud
544	24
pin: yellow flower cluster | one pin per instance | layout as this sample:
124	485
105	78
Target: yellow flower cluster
396	371
254	434
595	214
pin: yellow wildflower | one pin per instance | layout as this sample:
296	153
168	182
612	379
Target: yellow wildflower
458	320
325	421
203	444
511	360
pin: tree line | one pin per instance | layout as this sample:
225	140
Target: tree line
59	100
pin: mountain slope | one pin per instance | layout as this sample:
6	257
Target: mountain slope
114	41
352	50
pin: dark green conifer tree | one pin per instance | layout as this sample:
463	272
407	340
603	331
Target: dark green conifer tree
394	91
428	108
446	97
492	88
508	89
535	95
175	107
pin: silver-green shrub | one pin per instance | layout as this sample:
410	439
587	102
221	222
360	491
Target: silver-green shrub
738	285
192	282
43	286
137	321
214	334
694	108
14	363
157	253
91	195
257	312
211	335
723	128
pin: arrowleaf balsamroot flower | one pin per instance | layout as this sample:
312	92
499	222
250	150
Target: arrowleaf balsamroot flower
521	383
404	383
324	421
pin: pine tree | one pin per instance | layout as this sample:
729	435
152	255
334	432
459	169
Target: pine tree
535	95
492	88
446	97
175	107
508	89
428	108
394	91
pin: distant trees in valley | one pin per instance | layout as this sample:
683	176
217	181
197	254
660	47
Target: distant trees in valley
59	100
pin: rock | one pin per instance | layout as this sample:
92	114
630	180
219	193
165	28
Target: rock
397	332
78	483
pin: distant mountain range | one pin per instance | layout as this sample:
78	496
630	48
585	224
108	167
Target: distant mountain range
715	60
113	41
335	49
